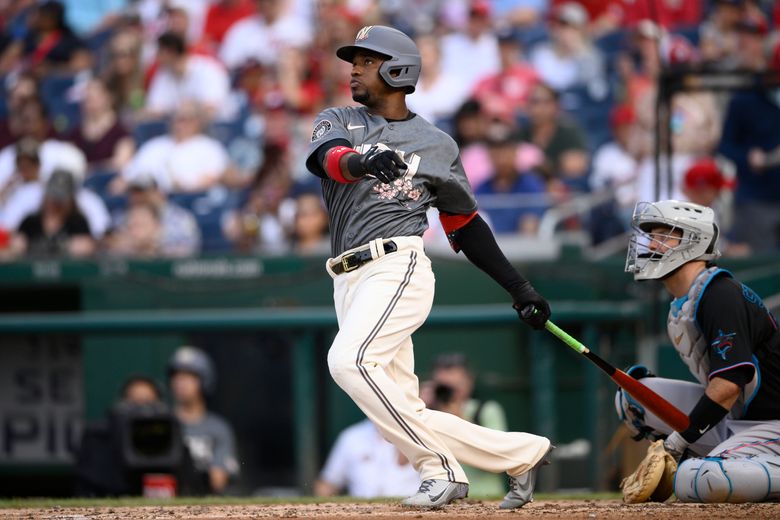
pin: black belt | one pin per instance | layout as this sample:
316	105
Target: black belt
352	261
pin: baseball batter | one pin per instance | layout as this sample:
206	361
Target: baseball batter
382	167
730	342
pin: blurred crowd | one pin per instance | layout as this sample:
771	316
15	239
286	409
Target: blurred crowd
169	128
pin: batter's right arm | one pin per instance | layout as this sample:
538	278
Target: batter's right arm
471	234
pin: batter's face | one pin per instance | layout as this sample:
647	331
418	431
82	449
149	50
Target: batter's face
366	85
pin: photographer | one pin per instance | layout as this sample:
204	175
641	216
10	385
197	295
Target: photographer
209	437
450	390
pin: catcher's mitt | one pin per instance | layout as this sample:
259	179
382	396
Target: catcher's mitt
653	480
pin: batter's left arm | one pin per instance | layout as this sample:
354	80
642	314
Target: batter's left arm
470	234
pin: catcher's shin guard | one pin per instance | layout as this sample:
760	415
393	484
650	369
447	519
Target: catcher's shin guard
717	480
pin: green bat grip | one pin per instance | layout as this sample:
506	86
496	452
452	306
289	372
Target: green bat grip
565	337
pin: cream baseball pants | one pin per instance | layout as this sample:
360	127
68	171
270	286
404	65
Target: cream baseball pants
378	307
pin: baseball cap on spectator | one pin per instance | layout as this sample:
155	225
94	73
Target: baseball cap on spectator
753	23
450	360
622	115
507	35
28	148
61	186
649	29
570	13
499	135
677	50
705	173
479	8
142	182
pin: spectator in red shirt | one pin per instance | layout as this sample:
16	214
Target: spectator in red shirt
608	15
671	14
505	94
222	15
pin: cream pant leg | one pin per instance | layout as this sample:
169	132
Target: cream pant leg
378	307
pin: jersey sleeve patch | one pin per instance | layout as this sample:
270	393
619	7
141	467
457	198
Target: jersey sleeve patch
723	343
321	129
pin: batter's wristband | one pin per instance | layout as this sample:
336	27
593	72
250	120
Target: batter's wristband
705	415
333	163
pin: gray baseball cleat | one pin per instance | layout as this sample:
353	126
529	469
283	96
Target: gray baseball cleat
437	493
521	487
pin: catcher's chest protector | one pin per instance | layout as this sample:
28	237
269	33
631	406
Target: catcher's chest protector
688	340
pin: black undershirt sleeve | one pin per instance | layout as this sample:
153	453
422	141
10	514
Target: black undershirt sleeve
477	242
317	159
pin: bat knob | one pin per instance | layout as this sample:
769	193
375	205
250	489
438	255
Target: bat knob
528	311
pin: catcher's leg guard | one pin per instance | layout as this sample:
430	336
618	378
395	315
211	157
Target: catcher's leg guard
717	480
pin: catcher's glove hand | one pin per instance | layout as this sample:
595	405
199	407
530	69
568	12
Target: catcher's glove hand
653	480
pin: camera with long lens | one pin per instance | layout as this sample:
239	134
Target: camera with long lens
149	437
444	394
138	450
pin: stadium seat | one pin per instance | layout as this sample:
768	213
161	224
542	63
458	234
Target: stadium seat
226	131
115	204
146	130
532	36
208	207
212	238
64	112
689	33
98	182
591	114
612	43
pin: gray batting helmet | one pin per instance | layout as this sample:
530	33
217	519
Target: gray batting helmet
194	360
402	65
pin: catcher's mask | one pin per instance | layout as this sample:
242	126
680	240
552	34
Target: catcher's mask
667	235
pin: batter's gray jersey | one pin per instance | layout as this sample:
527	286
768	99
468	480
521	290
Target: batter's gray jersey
368	209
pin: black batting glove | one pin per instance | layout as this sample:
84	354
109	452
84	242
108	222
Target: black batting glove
530	306
385	165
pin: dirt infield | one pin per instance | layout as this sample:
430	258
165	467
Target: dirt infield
548	510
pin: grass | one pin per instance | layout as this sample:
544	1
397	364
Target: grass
36	503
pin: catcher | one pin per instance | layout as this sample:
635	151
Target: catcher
731	344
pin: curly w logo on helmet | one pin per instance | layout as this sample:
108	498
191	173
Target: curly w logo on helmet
363	33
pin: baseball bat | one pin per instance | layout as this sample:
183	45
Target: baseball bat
662	408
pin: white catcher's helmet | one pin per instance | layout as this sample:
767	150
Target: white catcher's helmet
698	242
